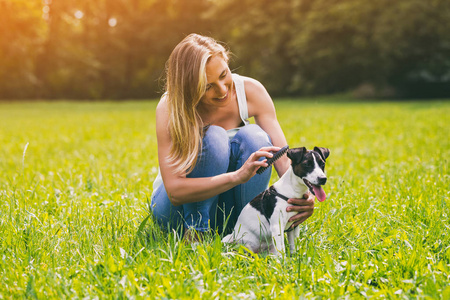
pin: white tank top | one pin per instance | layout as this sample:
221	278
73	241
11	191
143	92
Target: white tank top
243	113
242	103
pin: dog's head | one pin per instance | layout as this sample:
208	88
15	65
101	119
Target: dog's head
309	165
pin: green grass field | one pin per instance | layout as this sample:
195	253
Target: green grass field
76	179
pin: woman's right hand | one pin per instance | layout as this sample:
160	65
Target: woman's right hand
253	163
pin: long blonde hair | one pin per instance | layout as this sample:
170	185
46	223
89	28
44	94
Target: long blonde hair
185	85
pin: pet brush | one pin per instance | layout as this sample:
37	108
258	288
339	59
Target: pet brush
275	156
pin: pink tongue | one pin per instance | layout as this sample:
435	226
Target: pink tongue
320	193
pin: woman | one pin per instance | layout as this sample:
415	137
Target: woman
208	152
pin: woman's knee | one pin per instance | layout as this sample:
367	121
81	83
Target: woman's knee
215	155
252	136
215	138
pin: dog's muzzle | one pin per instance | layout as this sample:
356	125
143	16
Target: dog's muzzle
317	190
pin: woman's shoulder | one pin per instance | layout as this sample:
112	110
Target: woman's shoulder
162	111
258	99
250	82
253	88
163	103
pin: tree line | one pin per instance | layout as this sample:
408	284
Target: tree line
117	49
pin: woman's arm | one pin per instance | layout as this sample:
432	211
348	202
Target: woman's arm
261	107
182	190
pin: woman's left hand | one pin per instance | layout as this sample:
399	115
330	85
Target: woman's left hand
304	208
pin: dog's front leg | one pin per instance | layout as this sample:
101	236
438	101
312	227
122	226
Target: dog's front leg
277	239
292	235
291	241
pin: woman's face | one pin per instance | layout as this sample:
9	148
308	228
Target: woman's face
219	83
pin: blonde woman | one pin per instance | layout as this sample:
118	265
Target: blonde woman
208	152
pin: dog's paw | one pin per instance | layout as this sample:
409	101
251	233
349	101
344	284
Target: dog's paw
228	239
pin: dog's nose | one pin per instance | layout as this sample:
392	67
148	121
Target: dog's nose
322	180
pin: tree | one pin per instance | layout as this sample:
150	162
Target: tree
117	49
22	32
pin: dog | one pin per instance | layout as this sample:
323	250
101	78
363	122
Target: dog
263	221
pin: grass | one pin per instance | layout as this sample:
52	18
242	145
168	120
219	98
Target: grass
75	182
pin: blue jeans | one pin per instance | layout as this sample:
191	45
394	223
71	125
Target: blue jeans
219	155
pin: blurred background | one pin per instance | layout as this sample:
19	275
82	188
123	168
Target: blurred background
117	49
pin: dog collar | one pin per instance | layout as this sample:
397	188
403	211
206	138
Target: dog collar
274	192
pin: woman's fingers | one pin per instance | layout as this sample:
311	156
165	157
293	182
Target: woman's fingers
304	208
254	162
270	149
264	152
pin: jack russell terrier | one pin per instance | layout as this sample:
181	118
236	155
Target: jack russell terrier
263	221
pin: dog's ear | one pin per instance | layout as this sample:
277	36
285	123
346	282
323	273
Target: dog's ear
324	152
296	154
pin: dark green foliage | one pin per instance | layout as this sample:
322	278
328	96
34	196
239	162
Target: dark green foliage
117	49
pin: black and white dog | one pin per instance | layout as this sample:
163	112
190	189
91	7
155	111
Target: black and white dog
263	221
